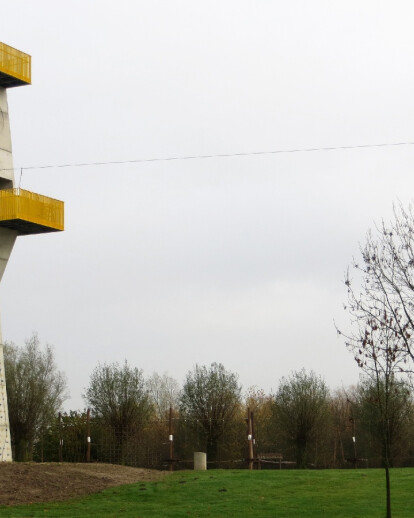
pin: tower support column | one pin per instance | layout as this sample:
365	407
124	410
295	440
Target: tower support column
7	239
5	443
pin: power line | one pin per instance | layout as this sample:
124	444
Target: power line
219	155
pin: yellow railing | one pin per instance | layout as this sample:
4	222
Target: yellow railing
18	204
15	63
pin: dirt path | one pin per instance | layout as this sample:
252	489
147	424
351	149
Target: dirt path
23	483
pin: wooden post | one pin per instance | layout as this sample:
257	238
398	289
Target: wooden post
60	439
42	445
255	456
352	420
171	440
354	442
250	438
88	435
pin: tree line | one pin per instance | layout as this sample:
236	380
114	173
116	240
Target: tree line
303	422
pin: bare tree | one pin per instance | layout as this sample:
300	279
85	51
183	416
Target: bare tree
164	392
381	353
384	295
35	392
381	308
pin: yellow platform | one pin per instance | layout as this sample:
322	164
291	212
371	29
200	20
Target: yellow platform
15	67
30	213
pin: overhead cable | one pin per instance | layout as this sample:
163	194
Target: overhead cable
218	155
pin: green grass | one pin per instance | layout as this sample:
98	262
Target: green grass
238	493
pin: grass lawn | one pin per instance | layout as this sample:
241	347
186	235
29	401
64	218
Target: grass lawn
240	493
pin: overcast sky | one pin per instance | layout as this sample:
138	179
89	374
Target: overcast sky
237	260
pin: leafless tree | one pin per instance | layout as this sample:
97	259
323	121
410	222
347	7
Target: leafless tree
381	354
164	392
384	292
381	308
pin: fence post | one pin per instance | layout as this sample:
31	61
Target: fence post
60	439
171	439
254	448
88	435
250	438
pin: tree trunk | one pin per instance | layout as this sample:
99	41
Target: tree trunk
23	451
388	488
300	453
212	449
387	470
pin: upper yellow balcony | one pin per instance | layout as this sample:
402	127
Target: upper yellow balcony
30	213
15	67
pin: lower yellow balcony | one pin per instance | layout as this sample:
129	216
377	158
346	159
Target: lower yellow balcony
30	213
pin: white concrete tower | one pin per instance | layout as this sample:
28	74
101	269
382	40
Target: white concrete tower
21	212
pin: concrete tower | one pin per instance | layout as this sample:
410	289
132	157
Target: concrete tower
21	212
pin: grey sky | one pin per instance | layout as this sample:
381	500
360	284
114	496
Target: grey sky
236	260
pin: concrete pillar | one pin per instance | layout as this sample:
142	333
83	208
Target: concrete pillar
7	239
5	445
200	461
6	160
